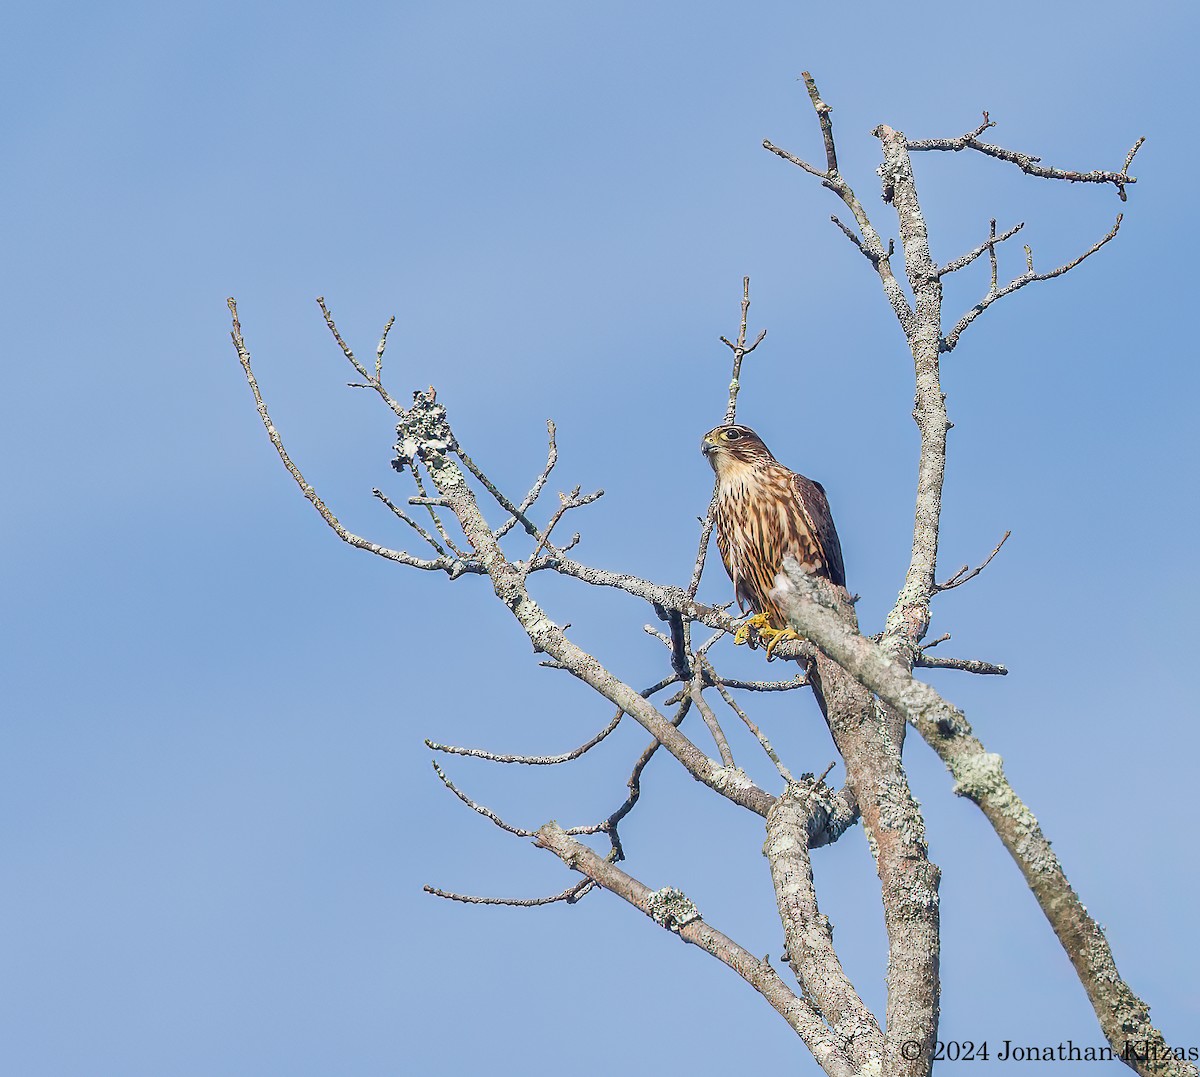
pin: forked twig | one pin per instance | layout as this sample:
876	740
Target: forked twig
1027	163
740	351
1028	277
452	566
538	483
964	574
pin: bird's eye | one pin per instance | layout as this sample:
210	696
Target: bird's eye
732	435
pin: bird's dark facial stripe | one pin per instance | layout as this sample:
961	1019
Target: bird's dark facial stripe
734	442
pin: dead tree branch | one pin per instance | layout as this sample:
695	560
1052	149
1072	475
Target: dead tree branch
425	432
1027	163
987	247
740	351
1017	283
571	895
452	566
538	483
967	665
799	813
865	688
979	776
964	574
549	760
867	742
368	381
877	253
670	909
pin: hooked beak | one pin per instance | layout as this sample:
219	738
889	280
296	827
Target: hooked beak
708	445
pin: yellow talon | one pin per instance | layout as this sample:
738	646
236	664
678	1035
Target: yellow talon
759	621
776	636
765	633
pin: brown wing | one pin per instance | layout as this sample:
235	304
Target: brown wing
815	506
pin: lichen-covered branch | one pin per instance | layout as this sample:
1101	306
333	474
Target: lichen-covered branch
870	244
424	434
670	909
908	619
865	688
979	776
1027	163
801	812
867	738
966	665
452	566
988	247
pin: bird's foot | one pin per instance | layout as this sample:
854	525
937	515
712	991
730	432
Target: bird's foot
758	621
777	635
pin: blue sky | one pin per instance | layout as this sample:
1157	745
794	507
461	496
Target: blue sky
217	810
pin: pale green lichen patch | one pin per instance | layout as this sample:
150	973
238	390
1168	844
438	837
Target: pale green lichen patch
726	779
671	908
900	813
979	775
424	435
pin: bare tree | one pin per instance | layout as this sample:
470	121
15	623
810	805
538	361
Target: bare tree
863	684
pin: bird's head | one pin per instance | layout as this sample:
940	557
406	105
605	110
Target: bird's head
728	446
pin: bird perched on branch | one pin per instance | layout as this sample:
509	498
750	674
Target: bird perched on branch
765	512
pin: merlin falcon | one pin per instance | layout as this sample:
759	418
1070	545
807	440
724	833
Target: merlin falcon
765	512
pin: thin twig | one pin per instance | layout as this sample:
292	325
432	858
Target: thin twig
871	245
531	760
964	574
381	348
740	351
800	680
341	343
548	760
573	500
538	483
848	232
431	504
492	489
564	503
368	382
1028	277
987	247
487	813
784	773
402	515
706	526
634	783
967	665
452	566
696	689
571	895
704	648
